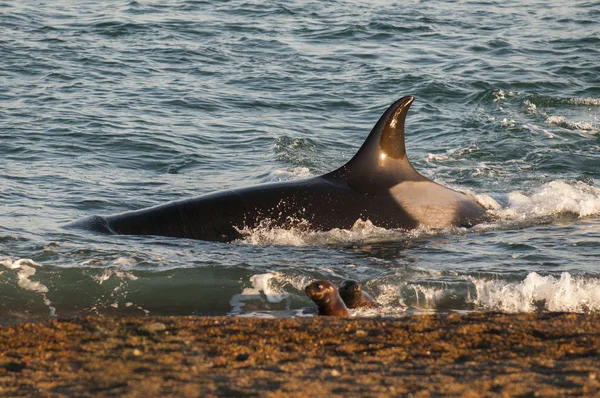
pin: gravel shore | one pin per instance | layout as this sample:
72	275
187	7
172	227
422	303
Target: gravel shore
471	354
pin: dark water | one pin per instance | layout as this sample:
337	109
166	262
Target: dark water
115	105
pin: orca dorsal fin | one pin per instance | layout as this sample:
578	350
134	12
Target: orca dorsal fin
381	161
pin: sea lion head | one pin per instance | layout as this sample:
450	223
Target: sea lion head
351	293
350	286
354	297
319	290
327	298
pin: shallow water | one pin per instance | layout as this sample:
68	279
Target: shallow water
113	106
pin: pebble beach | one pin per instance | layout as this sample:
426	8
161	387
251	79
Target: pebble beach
469	355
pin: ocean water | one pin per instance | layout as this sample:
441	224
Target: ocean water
118	105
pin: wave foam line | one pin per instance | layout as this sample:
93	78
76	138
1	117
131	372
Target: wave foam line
589	101
288	175
565	293
265	288
26	270
562	121
553	198
300	234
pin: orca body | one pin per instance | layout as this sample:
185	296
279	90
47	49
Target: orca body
378	184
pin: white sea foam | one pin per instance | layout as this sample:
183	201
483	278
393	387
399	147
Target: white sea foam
500	95
112	272
124	262
553	198
261	283
268	288
26	269
8	263
563	292
558	120
25	283
388	294
589	101
119	292
431	157
286	175
508	122
426	298
551	293
530	107
300	235
562	121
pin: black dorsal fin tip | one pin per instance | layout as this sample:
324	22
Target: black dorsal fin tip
387	136
382	159
391	128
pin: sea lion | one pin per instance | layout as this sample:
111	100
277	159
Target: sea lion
354	297
327	298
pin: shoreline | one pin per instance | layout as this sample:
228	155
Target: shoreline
473	354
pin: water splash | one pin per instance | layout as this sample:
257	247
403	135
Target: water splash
119	293
363	231
266	288
25	270
287	175
564	293
562	121
553	198
589	101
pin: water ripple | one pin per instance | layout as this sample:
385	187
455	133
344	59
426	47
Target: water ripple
119	105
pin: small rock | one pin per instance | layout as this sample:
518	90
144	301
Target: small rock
137	353
14	366
219	362
335	373
242	357
153	327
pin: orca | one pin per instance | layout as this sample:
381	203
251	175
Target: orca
378	184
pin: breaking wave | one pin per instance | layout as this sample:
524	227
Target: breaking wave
536	292
551	199
551	293
25	269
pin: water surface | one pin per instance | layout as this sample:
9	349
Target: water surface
113	106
